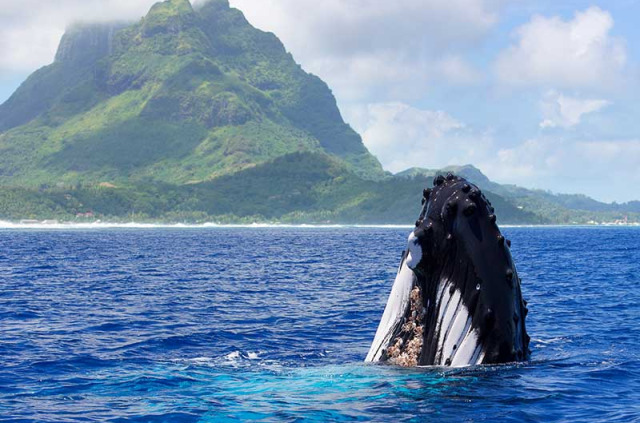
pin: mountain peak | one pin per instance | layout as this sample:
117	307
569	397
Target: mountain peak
171	7
169	16
469	172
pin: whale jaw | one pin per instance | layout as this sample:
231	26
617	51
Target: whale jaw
456	300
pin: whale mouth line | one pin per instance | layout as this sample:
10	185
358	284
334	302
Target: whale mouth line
456	300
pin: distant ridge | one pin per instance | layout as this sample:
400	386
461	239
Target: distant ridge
545	203
468	171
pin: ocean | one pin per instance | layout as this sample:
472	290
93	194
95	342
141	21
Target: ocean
273	324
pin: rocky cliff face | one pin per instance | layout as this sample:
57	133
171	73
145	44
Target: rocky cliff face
84	44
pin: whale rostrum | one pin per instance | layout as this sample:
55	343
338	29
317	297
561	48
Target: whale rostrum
456	300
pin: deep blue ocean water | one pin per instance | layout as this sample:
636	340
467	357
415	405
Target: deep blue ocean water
272	324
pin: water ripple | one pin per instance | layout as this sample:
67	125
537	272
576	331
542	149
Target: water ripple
266	324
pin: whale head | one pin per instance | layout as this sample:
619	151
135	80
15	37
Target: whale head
456	300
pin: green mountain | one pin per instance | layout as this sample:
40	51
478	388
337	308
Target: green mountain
183	96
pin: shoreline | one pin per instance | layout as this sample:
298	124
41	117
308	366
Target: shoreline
4	225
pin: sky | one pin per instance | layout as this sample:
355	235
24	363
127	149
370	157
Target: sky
542	94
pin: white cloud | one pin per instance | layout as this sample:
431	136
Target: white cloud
525	163
347	27
602	169
402	136
387	50
383	76
30	30
577	53
457	71
559	110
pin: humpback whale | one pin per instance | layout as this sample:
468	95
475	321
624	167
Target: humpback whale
456	300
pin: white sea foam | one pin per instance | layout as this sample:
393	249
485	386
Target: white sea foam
233	356
138	225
